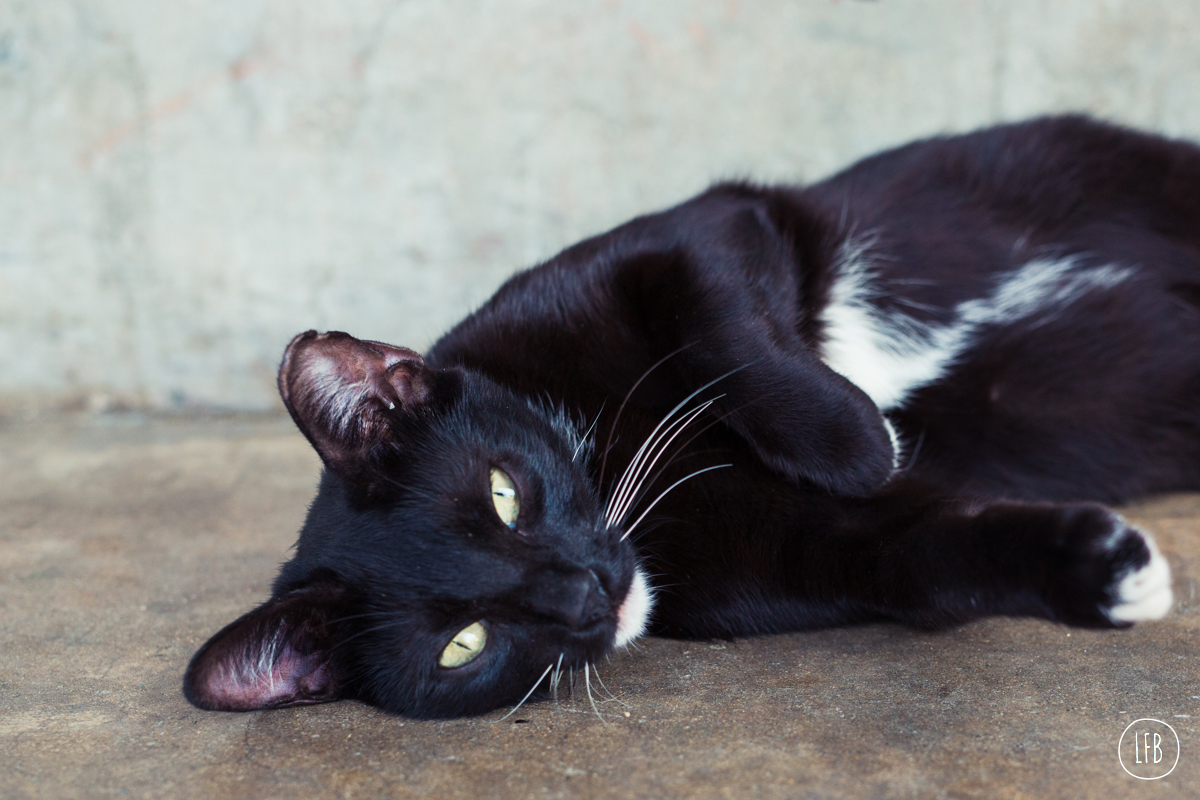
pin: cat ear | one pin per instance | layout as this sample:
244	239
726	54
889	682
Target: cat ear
278	655
345	393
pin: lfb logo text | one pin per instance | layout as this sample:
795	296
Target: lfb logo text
1149	749
1145	749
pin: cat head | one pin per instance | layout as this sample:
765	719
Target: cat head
455	552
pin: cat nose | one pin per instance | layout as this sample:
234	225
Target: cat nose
575	598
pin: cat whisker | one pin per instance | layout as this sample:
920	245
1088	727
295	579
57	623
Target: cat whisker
526	697
613	429
557	676
630	529
651	526
912	459
676	457
584	438
363	632
617	518
638	457
611	696
642	463
588	683
380	613
409	490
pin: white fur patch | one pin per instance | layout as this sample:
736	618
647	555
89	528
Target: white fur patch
1040	289
889	354
884	355
1144	593
896	444
634	614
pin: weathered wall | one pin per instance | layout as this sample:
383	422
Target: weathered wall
185	185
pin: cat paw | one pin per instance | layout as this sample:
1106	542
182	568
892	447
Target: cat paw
1142	590
1119	577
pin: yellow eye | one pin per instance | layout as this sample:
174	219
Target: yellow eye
465	646
504	498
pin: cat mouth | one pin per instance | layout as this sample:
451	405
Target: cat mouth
634	614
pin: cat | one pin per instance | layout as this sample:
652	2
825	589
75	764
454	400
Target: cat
899	394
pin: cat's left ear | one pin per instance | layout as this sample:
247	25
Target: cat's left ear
280	654
347	395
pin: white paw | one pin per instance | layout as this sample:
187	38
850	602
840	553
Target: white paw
1141	593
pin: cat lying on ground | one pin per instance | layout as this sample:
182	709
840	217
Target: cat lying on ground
899	394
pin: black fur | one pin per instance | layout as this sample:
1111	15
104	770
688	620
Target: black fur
1089	391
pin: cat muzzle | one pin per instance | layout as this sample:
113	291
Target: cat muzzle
574	598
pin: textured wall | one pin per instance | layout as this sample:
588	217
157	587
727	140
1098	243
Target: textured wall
184	185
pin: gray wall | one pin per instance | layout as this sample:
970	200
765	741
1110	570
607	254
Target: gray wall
184	185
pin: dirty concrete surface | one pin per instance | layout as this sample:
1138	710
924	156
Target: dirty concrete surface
125	542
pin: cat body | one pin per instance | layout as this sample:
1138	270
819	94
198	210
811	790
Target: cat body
898	394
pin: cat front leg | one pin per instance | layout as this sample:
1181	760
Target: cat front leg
1080	564
727	321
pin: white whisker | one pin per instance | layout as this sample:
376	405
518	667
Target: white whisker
682	402
606	690
644	471
613	429
633	479
591	428
588	684
526	697
664	494
626	477
557	677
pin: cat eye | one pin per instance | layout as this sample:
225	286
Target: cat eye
504	497
465	647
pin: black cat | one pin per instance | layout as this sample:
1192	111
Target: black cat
895	395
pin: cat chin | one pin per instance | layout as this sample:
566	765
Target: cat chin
634	614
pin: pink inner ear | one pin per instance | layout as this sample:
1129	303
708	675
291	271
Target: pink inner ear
279	654
335	386
276	655
278	676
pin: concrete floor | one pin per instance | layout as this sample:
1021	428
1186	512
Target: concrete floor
124	543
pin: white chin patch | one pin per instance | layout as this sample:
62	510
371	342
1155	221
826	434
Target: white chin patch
1144	593
634	613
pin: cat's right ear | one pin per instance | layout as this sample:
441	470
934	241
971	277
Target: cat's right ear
347	395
